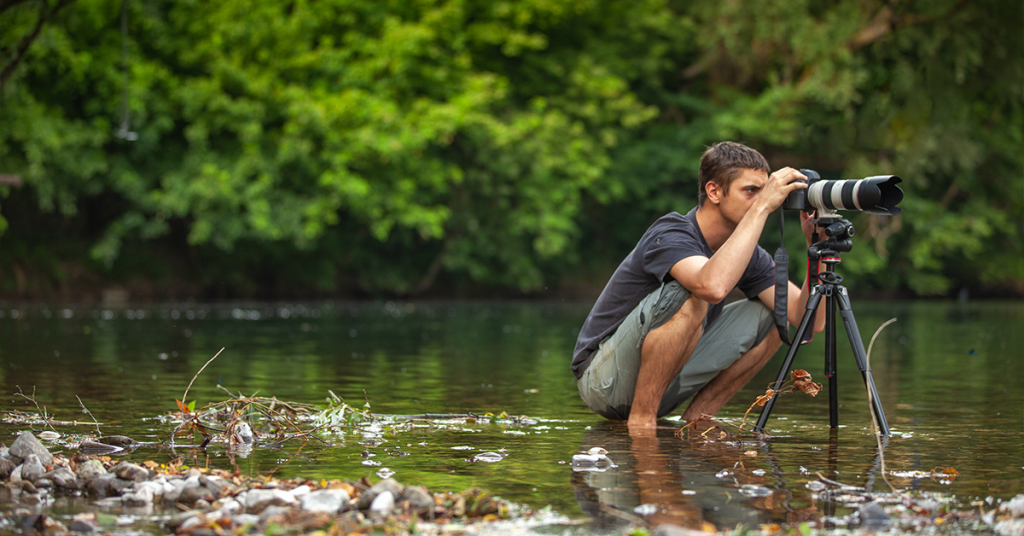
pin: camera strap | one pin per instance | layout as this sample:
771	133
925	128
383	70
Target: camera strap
782	283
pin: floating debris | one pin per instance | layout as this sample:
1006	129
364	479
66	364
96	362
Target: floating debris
646	509
488	457
753	490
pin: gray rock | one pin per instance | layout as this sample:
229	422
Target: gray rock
873	516
16	474
130	471
383	503
6	466
62	477
43	483
196	495
177	486
388	484
27	444
669	529
81	525
256	500
212	483
418	497
101	486
119	486
32	469
325	500
90	470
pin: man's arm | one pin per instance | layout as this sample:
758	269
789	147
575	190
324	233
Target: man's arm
712	279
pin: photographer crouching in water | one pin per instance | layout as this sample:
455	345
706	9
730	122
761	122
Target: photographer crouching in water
659	333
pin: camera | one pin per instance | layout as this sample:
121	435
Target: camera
874	195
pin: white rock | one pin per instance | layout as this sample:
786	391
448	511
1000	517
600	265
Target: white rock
328	500
300	491
383	503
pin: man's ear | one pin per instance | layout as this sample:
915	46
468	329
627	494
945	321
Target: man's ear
714	192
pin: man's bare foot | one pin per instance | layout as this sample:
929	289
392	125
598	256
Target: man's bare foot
641	425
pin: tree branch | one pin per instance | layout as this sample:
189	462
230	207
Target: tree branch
885	21
19	54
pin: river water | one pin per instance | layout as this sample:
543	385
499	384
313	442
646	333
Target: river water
950	376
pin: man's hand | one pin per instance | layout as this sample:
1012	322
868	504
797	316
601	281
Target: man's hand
807	225
779	186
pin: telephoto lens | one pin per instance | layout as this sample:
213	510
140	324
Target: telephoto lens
874	195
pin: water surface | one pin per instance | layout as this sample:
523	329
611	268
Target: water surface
950	377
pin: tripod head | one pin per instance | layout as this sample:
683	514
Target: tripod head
839	237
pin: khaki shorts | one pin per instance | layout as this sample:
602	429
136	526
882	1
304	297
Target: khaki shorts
608	384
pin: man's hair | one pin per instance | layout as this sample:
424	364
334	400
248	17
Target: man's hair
723	162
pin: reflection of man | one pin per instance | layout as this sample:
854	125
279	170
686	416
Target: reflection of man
659	333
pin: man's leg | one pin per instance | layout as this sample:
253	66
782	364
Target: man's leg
664	352
718	391
609	383
729	353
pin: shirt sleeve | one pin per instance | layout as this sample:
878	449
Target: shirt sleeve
666	249
759	275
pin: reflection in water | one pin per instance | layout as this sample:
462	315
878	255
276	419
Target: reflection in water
688	482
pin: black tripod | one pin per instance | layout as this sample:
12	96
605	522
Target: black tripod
839	232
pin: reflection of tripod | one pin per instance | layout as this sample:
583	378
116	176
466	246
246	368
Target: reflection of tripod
839	232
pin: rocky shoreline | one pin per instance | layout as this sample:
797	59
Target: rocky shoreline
175	499
213	502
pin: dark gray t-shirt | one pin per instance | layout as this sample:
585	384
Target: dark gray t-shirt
669	240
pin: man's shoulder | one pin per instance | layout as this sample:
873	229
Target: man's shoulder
674	221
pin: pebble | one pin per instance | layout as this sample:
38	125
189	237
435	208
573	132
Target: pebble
383	503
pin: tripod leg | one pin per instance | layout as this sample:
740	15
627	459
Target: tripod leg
812	307
850	323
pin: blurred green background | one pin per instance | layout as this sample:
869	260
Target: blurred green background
236	149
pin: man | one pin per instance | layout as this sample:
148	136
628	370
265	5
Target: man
659	334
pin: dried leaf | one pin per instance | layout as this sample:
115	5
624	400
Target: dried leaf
808	387
800	375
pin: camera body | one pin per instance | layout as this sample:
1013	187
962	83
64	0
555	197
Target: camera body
874	195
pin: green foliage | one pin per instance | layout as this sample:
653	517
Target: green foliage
389	146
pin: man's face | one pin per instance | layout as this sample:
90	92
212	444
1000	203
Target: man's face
742	193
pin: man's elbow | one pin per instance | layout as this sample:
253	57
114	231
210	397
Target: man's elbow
711	294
